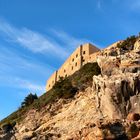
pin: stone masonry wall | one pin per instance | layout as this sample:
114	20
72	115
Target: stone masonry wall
82	55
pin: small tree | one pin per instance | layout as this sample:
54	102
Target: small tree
29	99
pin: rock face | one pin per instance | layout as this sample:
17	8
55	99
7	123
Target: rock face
137	45
117	95
110	109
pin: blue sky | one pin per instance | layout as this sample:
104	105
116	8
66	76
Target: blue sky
36	36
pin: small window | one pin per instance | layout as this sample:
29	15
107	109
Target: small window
66	75
72	67
76	64
72	59
76	55
64	71
84	52
49	85
83	60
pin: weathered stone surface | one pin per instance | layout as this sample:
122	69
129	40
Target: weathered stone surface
107	110
133	117
114	94
137	45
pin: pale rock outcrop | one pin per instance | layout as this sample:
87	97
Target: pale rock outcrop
137	45
107	110
117	95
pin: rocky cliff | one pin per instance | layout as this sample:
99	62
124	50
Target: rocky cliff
107	109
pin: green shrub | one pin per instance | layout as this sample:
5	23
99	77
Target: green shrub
29	99
64	88
83	78
128	44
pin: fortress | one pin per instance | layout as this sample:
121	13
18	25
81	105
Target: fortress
82	55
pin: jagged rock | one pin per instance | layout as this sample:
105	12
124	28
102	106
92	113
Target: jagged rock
133	117
27	135
108	64
132	131
107	110
114	93
137	45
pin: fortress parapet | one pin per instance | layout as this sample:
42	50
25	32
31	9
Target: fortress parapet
82	55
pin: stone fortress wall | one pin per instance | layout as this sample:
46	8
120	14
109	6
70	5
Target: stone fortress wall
82	55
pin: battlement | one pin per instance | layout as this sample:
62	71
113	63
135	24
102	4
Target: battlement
82	55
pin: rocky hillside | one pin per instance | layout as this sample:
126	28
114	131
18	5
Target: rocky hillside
95	105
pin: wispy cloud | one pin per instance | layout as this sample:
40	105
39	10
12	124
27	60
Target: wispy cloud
11	61
31	40
21	73
39	43
24	84
29	85
69	41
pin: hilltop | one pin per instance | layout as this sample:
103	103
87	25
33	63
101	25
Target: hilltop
99	101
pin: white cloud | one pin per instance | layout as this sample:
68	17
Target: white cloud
68	40
19	83
39	43
18	72
32	87
32	40
11	61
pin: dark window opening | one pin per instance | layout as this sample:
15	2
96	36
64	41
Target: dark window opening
72	67
76	64
64	70
76	55
84	52
72	59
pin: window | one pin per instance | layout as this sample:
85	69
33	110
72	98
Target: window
72	59
49	85
76	55
72	67
83	60
84	52
76	64
64	71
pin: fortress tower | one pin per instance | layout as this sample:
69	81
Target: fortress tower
82	55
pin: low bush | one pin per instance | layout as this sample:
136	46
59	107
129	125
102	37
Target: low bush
83	78
128	44
7	127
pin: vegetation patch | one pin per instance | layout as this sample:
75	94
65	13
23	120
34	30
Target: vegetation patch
64	88
128	43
